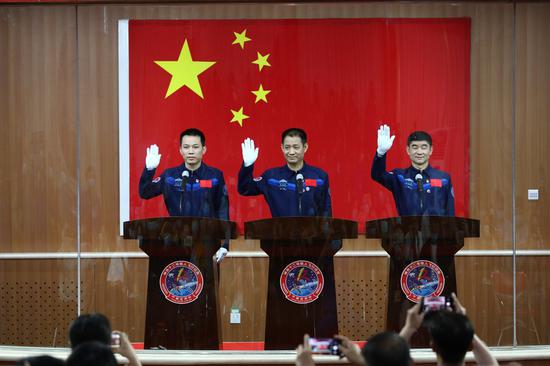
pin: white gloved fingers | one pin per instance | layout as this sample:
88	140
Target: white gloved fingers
152	159
220	254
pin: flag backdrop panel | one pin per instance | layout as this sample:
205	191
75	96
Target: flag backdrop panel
336	78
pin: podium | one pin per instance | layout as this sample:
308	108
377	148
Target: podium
182	302
301	296
421	250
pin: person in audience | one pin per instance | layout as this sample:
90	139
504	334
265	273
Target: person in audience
40	361
96	327
92	353
451	334
382	349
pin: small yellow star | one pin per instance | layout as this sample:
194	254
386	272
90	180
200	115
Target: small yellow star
261	94
261	61
241	38
185	72
238	116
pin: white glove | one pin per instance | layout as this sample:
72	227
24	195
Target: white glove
152	159
384	140
250	154
220	254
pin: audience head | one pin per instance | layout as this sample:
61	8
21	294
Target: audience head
451	334
386	349
92	354
40	361
90	327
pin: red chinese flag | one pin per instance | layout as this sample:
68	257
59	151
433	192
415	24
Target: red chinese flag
336	78
436	183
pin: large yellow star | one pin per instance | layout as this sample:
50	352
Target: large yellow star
261	61
241	38
261	94
185	72
238	116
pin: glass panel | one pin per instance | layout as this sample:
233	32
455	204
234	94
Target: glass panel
38	300
533	173
38	205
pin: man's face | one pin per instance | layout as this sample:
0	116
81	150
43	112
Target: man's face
293	149
192	150
419	152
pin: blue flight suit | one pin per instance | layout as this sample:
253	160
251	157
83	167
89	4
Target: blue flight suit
278	185
205	194
436	197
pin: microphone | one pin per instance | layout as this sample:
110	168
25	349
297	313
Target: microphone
300	183
184	179
418	178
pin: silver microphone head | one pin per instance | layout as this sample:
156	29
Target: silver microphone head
299	176
418	176
185	174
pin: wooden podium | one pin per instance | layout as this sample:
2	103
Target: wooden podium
301	297
421	250
182	304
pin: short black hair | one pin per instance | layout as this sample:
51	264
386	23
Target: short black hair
194	132
90	327
294	132
419	136
40	361
386	349
92	354
451	334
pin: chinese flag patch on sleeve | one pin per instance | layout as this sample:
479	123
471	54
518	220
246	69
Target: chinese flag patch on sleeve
205	183
436	183
311	182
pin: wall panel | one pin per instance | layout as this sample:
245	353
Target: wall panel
532	125
38	104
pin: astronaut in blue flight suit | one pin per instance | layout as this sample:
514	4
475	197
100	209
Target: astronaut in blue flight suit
294	189
419	189
190	189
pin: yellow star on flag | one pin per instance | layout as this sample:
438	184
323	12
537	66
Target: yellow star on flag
261	61
185	72
261	94
241	38
239	116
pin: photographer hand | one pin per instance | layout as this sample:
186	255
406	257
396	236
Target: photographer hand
350	350
127	350
413	322
303	353
458	307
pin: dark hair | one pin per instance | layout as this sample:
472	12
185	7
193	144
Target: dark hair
294	132
90	327
41	361
451	334
92	354
419	136
193	132
386	349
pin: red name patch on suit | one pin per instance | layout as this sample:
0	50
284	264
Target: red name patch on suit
338	79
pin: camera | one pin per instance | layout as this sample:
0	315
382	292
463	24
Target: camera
328	346
434	303
115	339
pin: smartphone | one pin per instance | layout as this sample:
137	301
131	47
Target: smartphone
115	340
328	346
434	303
